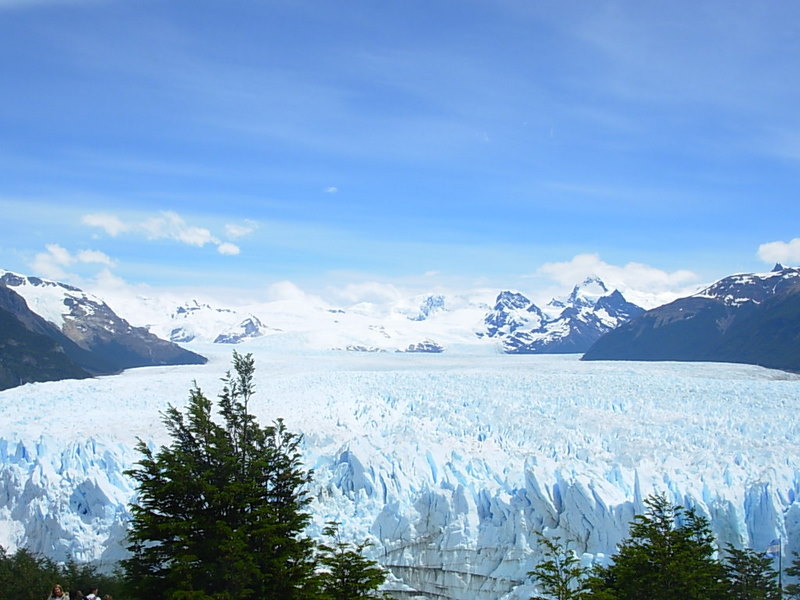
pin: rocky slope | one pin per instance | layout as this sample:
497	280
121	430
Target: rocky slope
748	318
564	326
88	332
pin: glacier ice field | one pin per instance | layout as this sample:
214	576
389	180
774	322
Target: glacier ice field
449	463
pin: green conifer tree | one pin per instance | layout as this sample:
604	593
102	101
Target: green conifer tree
559	574
669	555
348	574
751	576
793	570
221	511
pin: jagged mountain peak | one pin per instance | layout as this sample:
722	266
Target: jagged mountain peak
588	292
509	299
430	305
569	325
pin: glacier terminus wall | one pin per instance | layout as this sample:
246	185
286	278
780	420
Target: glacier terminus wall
451	465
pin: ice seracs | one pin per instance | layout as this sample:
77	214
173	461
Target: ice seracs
450	464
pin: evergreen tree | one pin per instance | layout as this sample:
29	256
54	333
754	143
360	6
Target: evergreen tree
25	575
221	511
559	574
669	555
793	589
348	574
751	576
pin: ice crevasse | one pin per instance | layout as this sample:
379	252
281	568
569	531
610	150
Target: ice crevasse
451	469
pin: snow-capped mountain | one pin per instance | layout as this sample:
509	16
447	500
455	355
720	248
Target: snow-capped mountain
512	324
92	335
755	288
196	320
750	318
31	349
449	464
429	322
569	325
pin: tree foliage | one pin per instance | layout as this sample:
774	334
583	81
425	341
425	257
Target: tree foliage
221	510
28	576
750	576
347	574
669	555
793	570
559	574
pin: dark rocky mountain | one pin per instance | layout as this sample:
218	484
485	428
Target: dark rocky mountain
90	334
27	352
747	318
566	326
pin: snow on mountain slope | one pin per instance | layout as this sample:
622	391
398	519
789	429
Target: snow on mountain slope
568	325
50	300
744	288
450	463
449	322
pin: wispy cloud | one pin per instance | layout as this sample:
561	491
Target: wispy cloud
166	225
54	261
780	252
651	285
111	224
234	230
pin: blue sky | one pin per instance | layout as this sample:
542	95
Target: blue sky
422	143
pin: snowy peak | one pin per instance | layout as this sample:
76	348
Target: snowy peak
512	311
511	300
429	306
588	292
104	343
754	288
569	325
748	318
250	328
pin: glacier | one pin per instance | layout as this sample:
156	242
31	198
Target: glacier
449	463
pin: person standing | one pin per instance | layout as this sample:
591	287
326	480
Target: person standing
92	595
57	593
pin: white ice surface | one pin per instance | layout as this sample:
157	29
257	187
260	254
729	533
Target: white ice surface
449	462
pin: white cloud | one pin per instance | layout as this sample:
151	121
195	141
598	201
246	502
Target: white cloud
237	231
331	189
94	256
642	284
228	249
168	225
369	291
112	225
59	255
780	252
52	262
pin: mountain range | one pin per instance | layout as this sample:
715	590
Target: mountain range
745	318
52	330
564	326
55	331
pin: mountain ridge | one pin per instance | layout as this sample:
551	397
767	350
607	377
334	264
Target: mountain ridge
94	339
746	318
